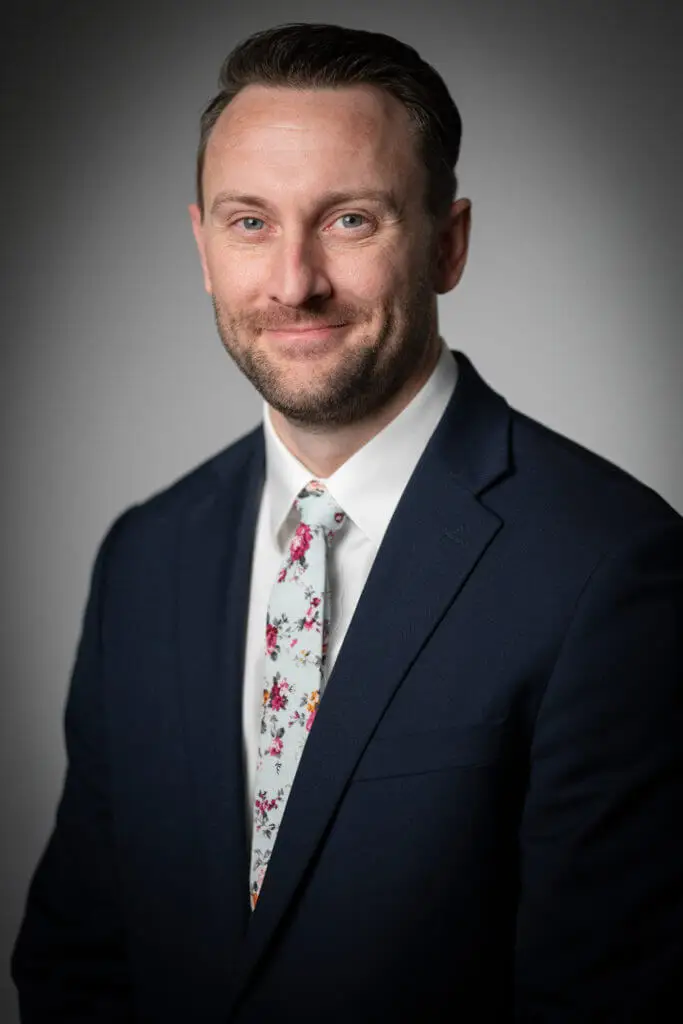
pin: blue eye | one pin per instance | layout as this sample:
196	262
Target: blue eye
358	215
244	220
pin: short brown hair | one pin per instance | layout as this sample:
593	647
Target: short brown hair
308	55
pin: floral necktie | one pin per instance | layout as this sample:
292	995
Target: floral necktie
297	628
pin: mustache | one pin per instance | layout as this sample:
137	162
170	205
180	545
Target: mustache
278	320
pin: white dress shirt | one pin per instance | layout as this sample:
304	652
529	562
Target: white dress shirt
368	487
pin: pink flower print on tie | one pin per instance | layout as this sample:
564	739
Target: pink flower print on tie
272	648
311	619
295	644
278	630
314	488
278	694
300	544
265	805
312	708
305	714
275	700
276	746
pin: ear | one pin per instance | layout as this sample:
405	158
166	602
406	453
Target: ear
198	231
453	239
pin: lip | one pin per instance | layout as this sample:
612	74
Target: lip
307	333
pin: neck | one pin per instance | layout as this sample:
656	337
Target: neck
324	449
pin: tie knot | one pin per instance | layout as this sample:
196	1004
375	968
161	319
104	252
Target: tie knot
319	509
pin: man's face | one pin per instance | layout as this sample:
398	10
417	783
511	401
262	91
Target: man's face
315	217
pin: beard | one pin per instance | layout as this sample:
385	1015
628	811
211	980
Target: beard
364	379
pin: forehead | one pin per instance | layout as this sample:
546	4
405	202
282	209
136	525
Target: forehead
266	131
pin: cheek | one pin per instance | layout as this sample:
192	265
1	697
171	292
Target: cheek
233	277
366	284
375	279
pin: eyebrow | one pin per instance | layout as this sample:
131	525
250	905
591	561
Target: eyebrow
384	197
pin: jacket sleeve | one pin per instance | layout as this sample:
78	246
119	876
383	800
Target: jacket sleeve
69	960
600	919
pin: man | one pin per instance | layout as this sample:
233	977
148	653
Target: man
376	715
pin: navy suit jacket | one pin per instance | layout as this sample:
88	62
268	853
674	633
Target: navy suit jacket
486	820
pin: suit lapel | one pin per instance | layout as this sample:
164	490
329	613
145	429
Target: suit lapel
436	537
214	561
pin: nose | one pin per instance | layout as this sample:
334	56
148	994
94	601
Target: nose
297	273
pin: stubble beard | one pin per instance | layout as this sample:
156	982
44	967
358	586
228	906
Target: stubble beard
360	384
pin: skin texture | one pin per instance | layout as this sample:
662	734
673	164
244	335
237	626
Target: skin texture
289	257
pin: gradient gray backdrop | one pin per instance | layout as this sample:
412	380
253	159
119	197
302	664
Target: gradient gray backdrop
114	382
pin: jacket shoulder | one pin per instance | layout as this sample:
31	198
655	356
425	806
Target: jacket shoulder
582	492
227	470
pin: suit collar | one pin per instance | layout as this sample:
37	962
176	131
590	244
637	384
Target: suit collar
472	441
213	558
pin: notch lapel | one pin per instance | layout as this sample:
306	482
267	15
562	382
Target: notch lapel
214	562
436	537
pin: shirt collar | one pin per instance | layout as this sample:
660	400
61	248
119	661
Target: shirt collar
369	485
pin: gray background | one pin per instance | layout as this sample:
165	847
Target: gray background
113	381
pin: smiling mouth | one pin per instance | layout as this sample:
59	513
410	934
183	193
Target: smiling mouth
305	334
312	329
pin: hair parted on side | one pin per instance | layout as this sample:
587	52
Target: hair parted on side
304	55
